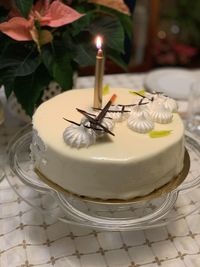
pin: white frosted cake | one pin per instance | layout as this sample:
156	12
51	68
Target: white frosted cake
136	148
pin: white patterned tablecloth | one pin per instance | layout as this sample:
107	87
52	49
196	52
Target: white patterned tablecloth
28	238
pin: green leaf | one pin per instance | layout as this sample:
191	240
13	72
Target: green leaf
63	72
125	20
84	55
82	23
28	89
8	62
116	57
20	67
127	24
26	67
68	42
158	134
47	58
16	63
22	61
106	89
111	30
24	6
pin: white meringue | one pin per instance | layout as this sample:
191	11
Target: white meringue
168	102
118	116
79	136
139	110
142	123
171	104
106	122
158	99
160	113
149	94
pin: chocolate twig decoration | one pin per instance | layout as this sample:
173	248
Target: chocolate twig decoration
86	126
150	99
94	122
97	121
123	107
141	103
78	124
127	105
113	111
106	108
91	114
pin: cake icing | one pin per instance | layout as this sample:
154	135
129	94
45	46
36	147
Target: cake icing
121	166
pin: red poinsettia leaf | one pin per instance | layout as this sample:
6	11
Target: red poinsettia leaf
17	28
114	4
59	14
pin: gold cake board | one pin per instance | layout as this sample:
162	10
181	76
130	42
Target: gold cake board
163	190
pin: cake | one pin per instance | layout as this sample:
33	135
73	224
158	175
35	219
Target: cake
136	148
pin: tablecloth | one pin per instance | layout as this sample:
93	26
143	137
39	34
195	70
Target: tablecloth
28	238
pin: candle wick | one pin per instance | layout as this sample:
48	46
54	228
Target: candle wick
100	53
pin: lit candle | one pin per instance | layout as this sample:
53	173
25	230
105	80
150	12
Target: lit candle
99	71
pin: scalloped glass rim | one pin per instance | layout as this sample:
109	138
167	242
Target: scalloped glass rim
99	215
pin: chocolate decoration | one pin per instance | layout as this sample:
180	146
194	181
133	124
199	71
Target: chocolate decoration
94	122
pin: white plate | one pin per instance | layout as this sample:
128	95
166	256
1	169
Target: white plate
174	82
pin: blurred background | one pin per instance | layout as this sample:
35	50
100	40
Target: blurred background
165	34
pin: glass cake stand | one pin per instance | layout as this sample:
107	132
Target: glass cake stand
135	215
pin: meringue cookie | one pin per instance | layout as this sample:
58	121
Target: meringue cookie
79	136
141	123
106	122
158	99
160	113
171	104
118	116
139	110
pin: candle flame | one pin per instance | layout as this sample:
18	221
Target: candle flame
99	42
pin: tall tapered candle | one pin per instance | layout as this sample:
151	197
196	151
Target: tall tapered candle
99	71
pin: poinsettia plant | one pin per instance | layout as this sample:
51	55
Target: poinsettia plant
44	40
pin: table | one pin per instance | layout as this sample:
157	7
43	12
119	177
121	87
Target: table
28	238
